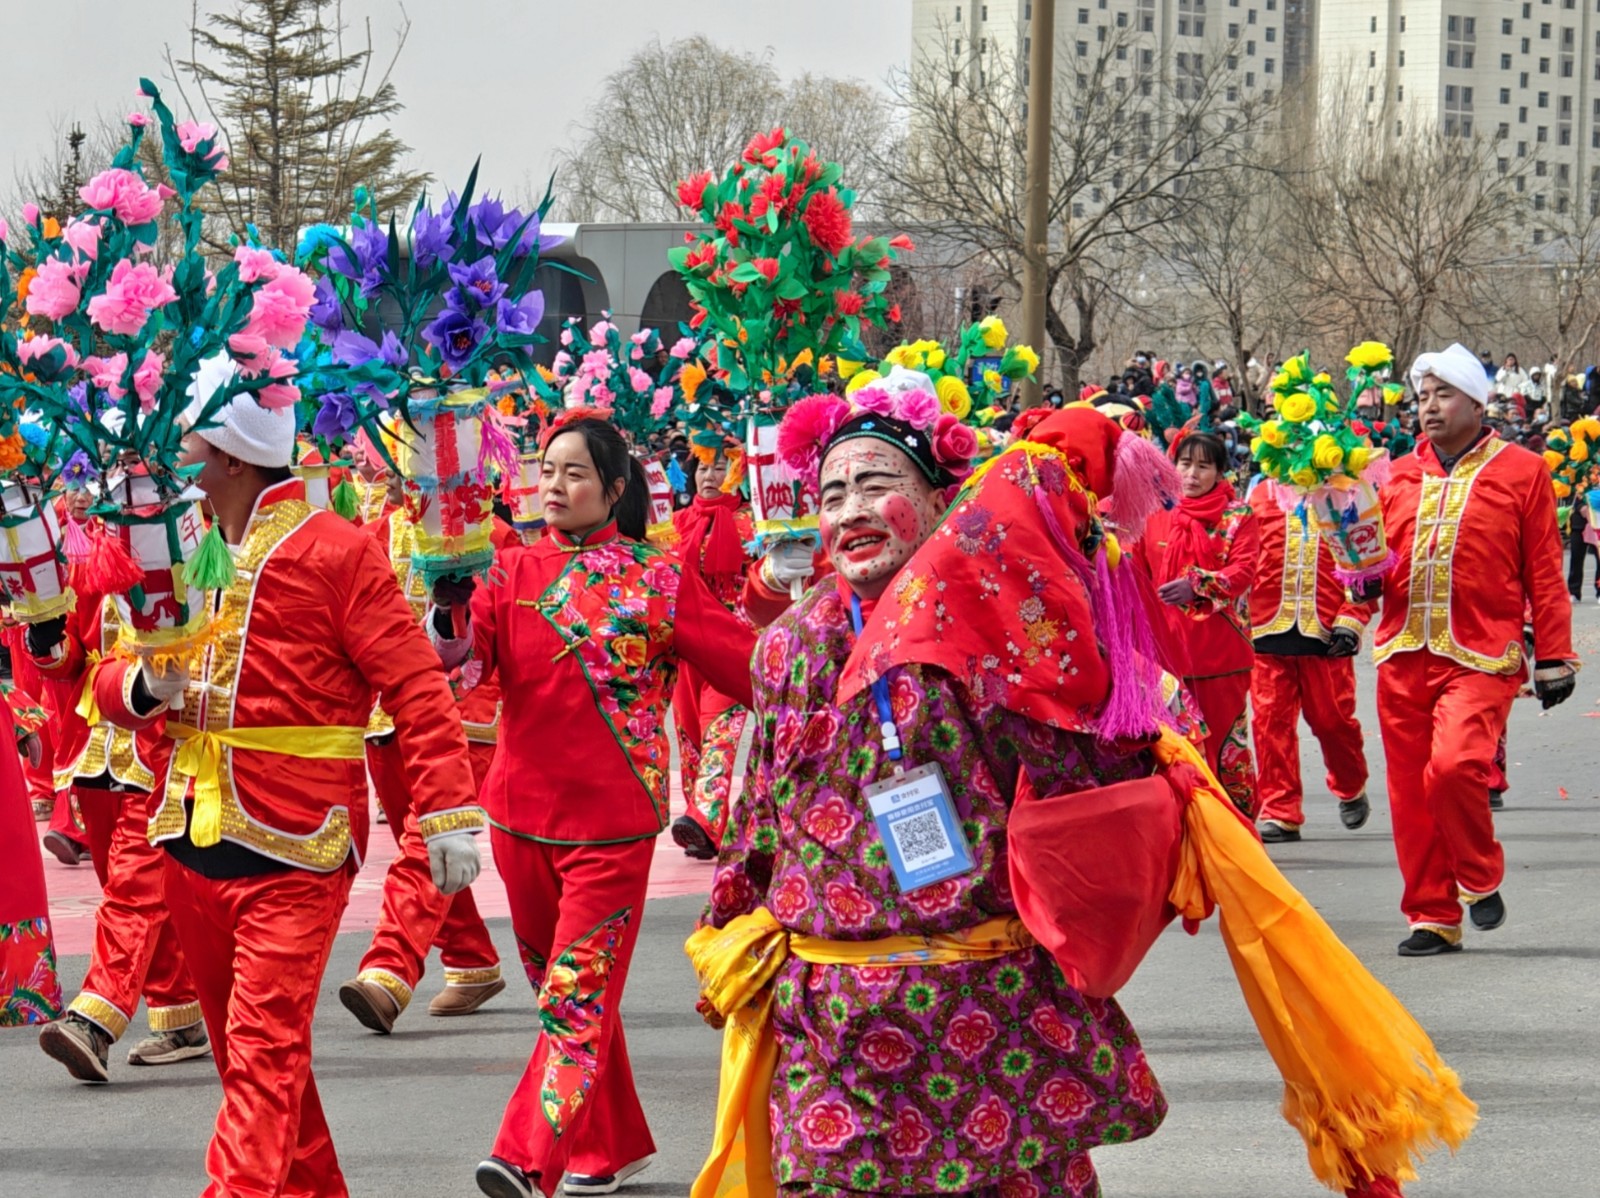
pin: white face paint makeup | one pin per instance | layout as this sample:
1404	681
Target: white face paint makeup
877	510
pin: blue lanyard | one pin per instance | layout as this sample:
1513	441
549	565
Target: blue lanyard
880	692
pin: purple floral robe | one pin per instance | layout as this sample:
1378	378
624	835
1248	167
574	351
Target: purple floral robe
985	1076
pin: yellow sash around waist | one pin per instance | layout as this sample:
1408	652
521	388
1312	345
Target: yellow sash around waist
87	707
199	756
736	965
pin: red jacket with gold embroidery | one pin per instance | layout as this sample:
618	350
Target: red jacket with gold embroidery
1474	549
314	629
1295	587
586	638
83	751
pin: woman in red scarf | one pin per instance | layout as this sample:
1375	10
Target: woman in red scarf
712	533
1202	558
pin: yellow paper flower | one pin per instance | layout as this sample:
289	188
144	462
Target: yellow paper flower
1562	489
1272	433
1370	355
1027	357
1393	393
1324	379
954	397
1304	477
1297	408
1295	371
1588	428
861	379
900	355
848	368
1326	454
992	380
1579	451
1553	460
1358	459
994	332
934	357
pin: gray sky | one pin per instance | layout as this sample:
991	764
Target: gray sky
504	78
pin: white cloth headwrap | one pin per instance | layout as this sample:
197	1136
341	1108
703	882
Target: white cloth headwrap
1459	367
245	430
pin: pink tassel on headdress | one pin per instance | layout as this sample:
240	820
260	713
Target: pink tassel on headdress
1146	483
75	540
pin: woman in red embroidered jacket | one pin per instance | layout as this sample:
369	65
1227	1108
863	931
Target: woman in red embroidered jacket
1202	558
586	631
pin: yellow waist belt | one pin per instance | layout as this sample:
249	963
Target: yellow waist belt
736	965
199	756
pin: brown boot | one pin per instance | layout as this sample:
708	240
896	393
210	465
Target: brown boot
464	1000
372	1005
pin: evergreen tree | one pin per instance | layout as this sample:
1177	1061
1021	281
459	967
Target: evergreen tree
302	112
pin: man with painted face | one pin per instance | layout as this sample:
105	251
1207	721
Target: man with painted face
959	1012
1472	521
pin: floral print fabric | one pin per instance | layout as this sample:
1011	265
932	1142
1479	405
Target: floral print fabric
976	1077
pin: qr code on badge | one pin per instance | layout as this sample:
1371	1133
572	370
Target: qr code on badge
921	840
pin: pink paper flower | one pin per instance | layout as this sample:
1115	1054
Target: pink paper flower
918	408
84	237
255	264
192	133
636	354
132	293
147	379
566	336
600	331
874	399
5	230
106	373
38	347
123	192
954	445
661	402
683	347
56	288
596	362
277	395
30	213
278	312
562	362
602	395
807	427
138	119
638	379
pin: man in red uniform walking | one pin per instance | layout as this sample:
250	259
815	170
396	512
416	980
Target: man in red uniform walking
263	813
1472	521
1306	634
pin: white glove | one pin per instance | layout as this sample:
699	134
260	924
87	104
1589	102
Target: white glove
165	688
454	860
789	561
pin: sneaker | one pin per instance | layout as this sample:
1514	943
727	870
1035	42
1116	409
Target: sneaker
695	842
1497	800
583	1183
372	1005
168	1048
1425	942
1487	913
63	848
464	1000
502	1179
81	1046
1273	832
1353	812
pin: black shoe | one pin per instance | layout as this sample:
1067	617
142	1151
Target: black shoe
580	1183
1487	913
694	840
1272	832
1497	800
81	1046
1353	814
502	1179
1425	942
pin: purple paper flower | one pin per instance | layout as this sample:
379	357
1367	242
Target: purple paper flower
430	239
326	312
487	218
522	317
456	335
353	349
336	417
477	286
371	245
78	471
532	239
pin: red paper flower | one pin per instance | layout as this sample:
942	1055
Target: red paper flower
767	266
902	243
692	191
848	303
761	147
828	222
893	314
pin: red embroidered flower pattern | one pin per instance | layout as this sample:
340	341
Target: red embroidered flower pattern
1064	1100
1142	1083
732	894
887	1049
989	1124
1047	1022
909	1135
820	732
849	904
969	1034
1080	1173
830	821
775	651
791	899
827	1125
936	898
1019	1185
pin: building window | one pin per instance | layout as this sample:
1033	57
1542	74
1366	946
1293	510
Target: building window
1374	26
1400	94
1450	94
1401	59
1522	116
1249	47
1233	31
1544	30
1505	26
1544	100
1372	58
1505	95
1544	66
1540	169
1402	23
1083	16
1272	33
1372	95
1266	67
1505	62
1451	58
1083	49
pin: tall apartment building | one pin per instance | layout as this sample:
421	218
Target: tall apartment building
1526	72
1272	36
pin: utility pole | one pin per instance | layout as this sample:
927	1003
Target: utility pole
1036	232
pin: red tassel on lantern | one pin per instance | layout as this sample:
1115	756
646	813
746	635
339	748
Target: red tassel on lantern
109	569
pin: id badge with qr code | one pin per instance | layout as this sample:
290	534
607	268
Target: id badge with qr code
916	818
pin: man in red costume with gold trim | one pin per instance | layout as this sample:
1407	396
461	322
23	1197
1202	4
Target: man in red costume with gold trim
111	773
1306	631
263	813
1472	520
415	916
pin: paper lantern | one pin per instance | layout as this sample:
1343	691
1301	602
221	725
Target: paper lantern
165	612
781	502
660	499
522	495
33	572
448	496
1350	522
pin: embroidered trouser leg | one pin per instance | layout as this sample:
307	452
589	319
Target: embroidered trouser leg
575	910
1440	725
1073	1175
135	948
1222	703
1324	688
709	800
259	947
414	915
